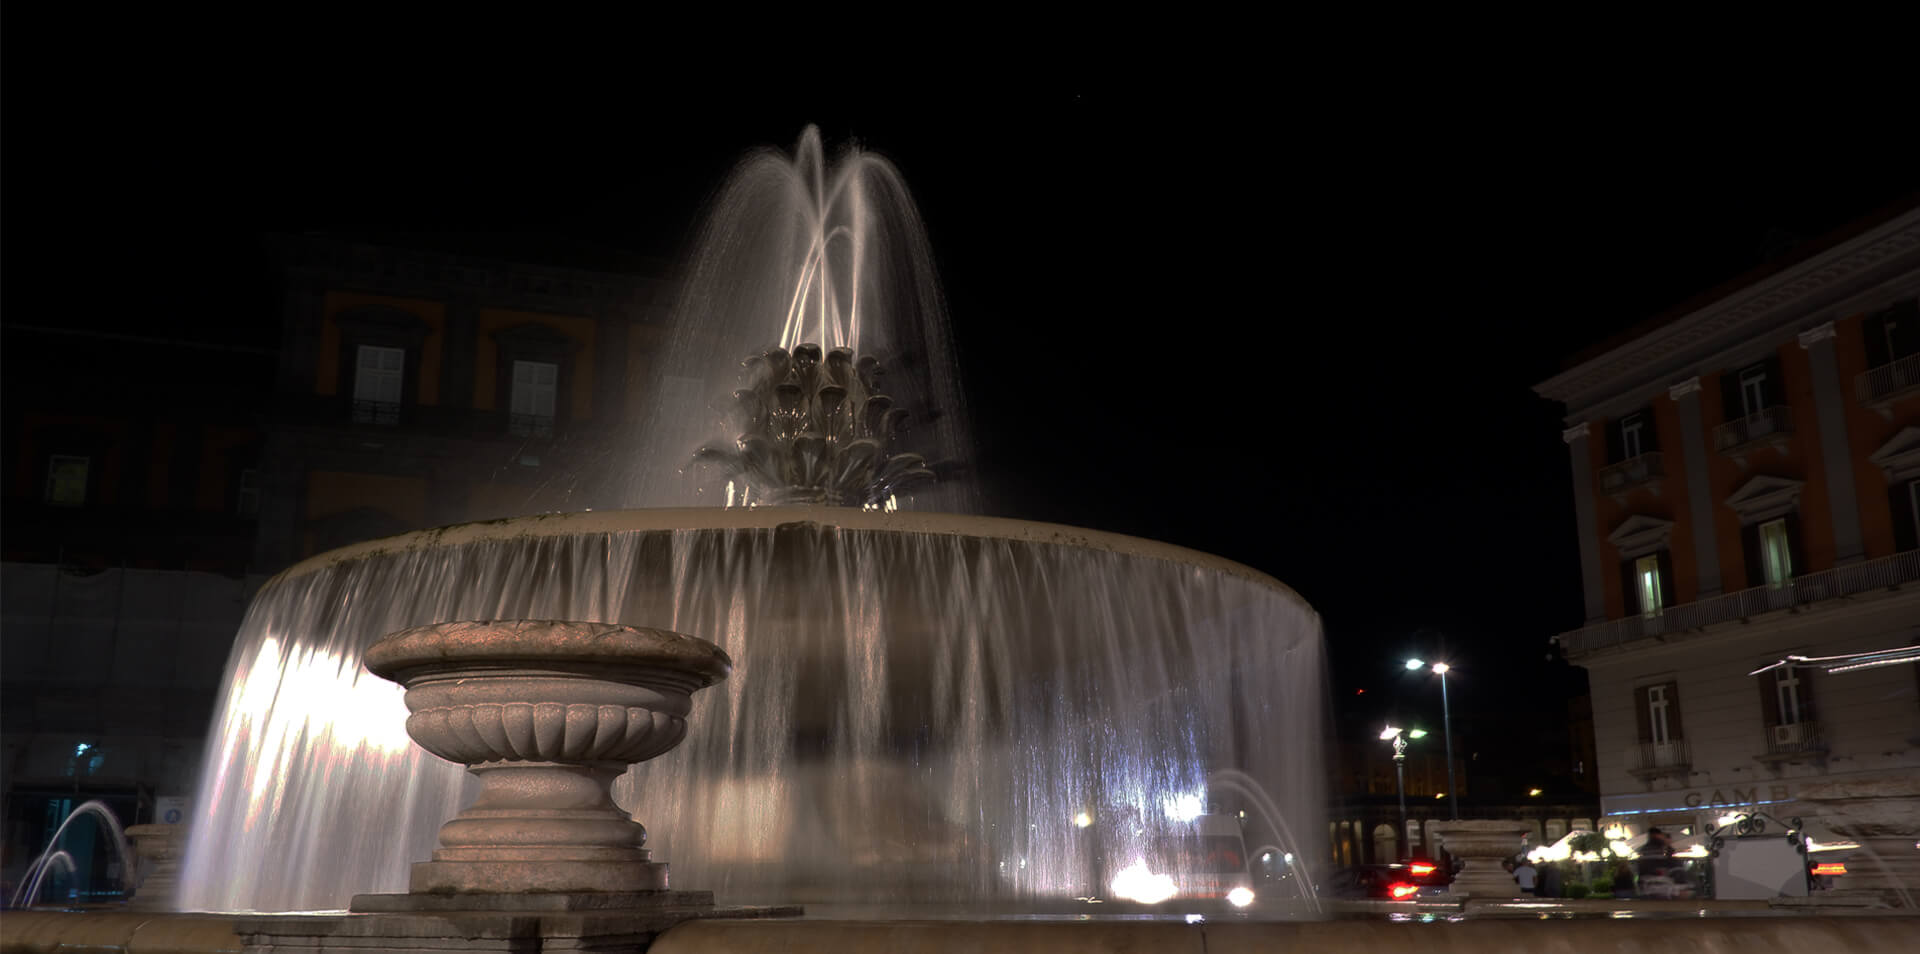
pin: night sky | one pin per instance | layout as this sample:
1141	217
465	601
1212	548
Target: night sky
1297	328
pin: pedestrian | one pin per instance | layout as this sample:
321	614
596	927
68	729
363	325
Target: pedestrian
1549	885
1622	880
1525	874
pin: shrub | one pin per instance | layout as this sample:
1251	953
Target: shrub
1576	890
1601	888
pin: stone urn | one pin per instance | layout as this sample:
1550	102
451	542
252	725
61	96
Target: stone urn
546	714
1481	845
157	848
1881	815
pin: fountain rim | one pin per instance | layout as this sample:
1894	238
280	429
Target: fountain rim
670	519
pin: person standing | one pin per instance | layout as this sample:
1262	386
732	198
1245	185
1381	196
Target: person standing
1525	875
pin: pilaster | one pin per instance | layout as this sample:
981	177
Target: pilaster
1586	521
1693	440
1829	402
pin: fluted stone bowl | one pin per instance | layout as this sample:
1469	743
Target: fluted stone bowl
547	690
547	713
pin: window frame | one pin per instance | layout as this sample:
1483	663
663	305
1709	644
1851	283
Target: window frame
86	479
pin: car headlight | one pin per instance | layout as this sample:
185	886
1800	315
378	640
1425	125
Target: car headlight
1240	897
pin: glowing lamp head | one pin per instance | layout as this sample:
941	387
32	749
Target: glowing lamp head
1417	734
1413	664
1082	820
1240	897
1533	793
1388	733
1441	668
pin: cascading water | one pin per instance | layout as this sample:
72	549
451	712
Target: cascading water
925	707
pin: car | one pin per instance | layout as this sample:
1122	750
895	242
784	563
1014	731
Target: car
1409	881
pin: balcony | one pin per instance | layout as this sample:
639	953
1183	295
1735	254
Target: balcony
1633	472
1650	759
1883	574
1770	427
383	413
1794	742
1889	382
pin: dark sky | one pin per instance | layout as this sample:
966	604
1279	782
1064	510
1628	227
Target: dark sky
1297	327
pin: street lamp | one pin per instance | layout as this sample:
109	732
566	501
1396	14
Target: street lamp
1391	734
1446	716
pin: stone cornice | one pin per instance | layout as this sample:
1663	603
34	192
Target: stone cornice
1577	432
1816	334
1776	303
412	272
1684	388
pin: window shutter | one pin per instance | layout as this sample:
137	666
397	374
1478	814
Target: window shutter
1730	406
1900	503
1614	447
1774	391
1794	553
1905	318
1649	434
1873	330
1643	716
1674	731
1769	700
1630	590
1807	711
1750	551
1668	595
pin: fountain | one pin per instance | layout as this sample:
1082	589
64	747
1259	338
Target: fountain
925	703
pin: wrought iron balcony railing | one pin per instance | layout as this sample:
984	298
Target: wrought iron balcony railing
385	413
1890	380
1658	758
1771	423
1885	573
1785	742
1632	472
530	425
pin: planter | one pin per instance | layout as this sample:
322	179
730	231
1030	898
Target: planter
1481	845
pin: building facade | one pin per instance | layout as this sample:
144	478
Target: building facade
419	389
1747	489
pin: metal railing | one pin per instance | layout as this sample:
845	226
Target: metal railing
1632	472
1760	425
1798	738
1885	573
1888	380
376	412
1660	756
530	425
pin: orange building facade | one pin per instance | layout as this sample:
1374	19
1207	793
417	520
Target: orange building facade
420	389
1747	497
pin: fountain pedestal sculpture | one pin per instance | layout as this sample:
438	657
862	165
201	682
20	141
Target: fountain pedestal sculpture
1481	845
1883	817
546	714
157	850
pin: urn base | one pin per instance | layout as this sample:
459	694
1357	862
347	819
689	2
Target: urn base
537	877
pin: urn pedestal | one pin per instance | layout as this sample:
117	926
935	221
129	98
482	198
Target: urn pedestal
546	714
158	848
1481	845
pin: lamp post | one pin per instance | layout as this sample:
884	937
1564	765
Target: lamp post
1446	715
1399	780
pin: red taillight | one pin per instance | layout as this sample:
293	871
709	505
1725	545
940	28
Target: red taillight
1422	869
1829	868
1401	890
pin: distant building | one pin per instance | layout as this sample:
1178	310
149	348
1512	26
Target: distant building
1747	488
131	497
154	480
418	389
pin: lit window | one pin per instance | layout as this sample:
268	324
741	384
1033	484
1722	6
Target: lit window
377	378
1775	554
1647	570
67	480
534	387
